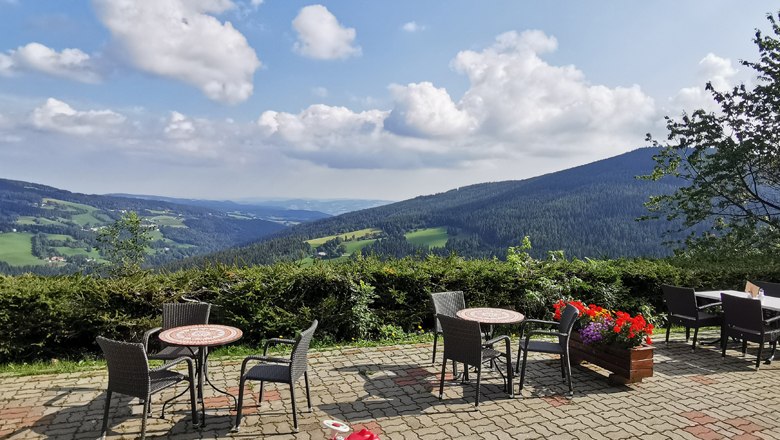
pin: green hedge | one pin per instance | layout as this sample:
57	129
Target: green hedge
59	317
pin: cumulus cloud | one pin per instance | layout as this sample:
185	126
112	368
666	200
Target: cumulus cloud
714	69
178	39
320	36
412	27
35	57
57	116
426	111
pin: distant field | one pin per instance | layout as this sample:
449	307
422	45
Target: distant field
345	236
167	220
61	237
16	249
29	220
431	237
92	216
353	246
69	252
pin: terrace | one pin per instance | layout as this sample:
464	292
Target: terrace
392	391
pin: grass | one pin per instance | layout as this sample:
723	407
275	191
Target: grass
430	237
16	249
83	214
30	220
344	236
69	252
167	220
58	366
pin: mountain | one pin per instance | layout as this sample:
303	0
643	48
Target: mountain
270	211
329	206
586	211
48	230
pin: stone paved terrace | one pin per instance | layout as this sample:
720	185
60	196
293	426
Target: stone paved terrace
392	391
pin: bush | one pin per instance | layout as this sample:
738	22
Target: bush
59	317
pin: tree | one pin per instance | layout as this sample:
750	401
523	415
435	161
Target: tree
730	159
124	244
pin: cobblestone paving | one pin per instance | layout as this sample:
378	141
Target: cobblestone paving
393	392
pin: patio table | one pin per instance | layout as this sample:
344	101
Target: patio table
203	336
767	302
489	316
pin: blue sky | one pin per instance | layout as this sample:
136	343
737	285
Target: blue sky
382	99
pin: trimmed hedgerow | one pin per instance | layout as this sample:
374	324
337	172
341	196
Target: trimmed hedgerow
59	317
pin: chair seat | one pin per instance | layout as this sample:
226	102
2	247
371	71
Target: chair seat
544	347
269	373
163	379
704	319
173	352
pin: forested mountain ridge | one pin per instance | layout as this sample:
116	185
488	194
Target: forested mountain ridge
49	230
586	211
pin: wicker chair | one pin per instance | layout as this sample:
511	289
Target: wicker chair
445	303
683	310
560	347
770	289
177	315
129	374
743	319
279	370
463	343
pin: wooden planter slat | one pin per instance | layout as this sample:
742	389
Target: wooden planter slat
627	365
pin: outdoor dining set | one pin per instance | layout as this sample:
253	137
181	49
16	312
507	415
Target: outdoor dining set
186	336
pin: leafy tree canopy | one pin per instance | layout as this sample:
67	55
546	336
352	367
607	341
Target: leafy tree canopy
124	244
730	159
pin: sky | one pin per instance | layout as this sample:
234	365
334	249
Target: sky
236	99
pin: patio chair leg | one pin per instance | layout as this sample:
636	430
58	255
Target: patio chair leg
105	415
441	382
771	355
308	394
687	334
146	414
295	413
479	377
744	347
435	343
522	370
668	330
509	374
260	397
695	336
193	402
568	373
758	358
239	404
563	369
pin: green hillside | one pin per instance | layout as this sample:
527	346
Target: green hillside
586	211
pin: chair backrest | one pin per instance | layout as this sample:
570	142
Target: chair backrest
447	303
743	314
680	301
770	289
568	318
462	340
128	367
189	313
300	351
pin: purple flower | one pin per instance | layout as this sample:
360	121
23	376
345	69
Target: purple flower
593	332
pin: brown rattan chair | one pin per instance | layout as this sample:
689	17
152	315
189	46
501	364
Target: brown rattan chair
559	347
683	310
129	374
279	370
463	343
744	320
178	315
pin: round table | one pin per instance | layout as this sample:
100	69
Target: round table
204	336
489	315
201	335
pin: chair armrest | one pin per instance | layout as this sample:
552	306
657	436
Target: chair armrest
170	364
772	319
707	306
147	335
495	340
540	321
274	341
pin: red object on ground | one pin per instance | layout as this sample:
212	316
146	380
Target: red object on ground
363	434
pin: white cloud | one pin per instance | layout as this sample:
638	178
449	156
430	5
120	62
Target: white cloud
412	27
57	116
423	110
70	63
256	3
320	36
179	39
712	68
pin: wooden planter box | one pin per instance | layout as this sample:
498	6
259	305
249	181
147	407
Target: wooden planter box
627	365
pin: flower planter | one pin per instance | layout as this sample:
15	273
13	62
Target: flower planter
627	365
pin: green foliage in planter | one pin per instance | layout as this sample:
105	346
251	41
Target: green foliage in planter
42	318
